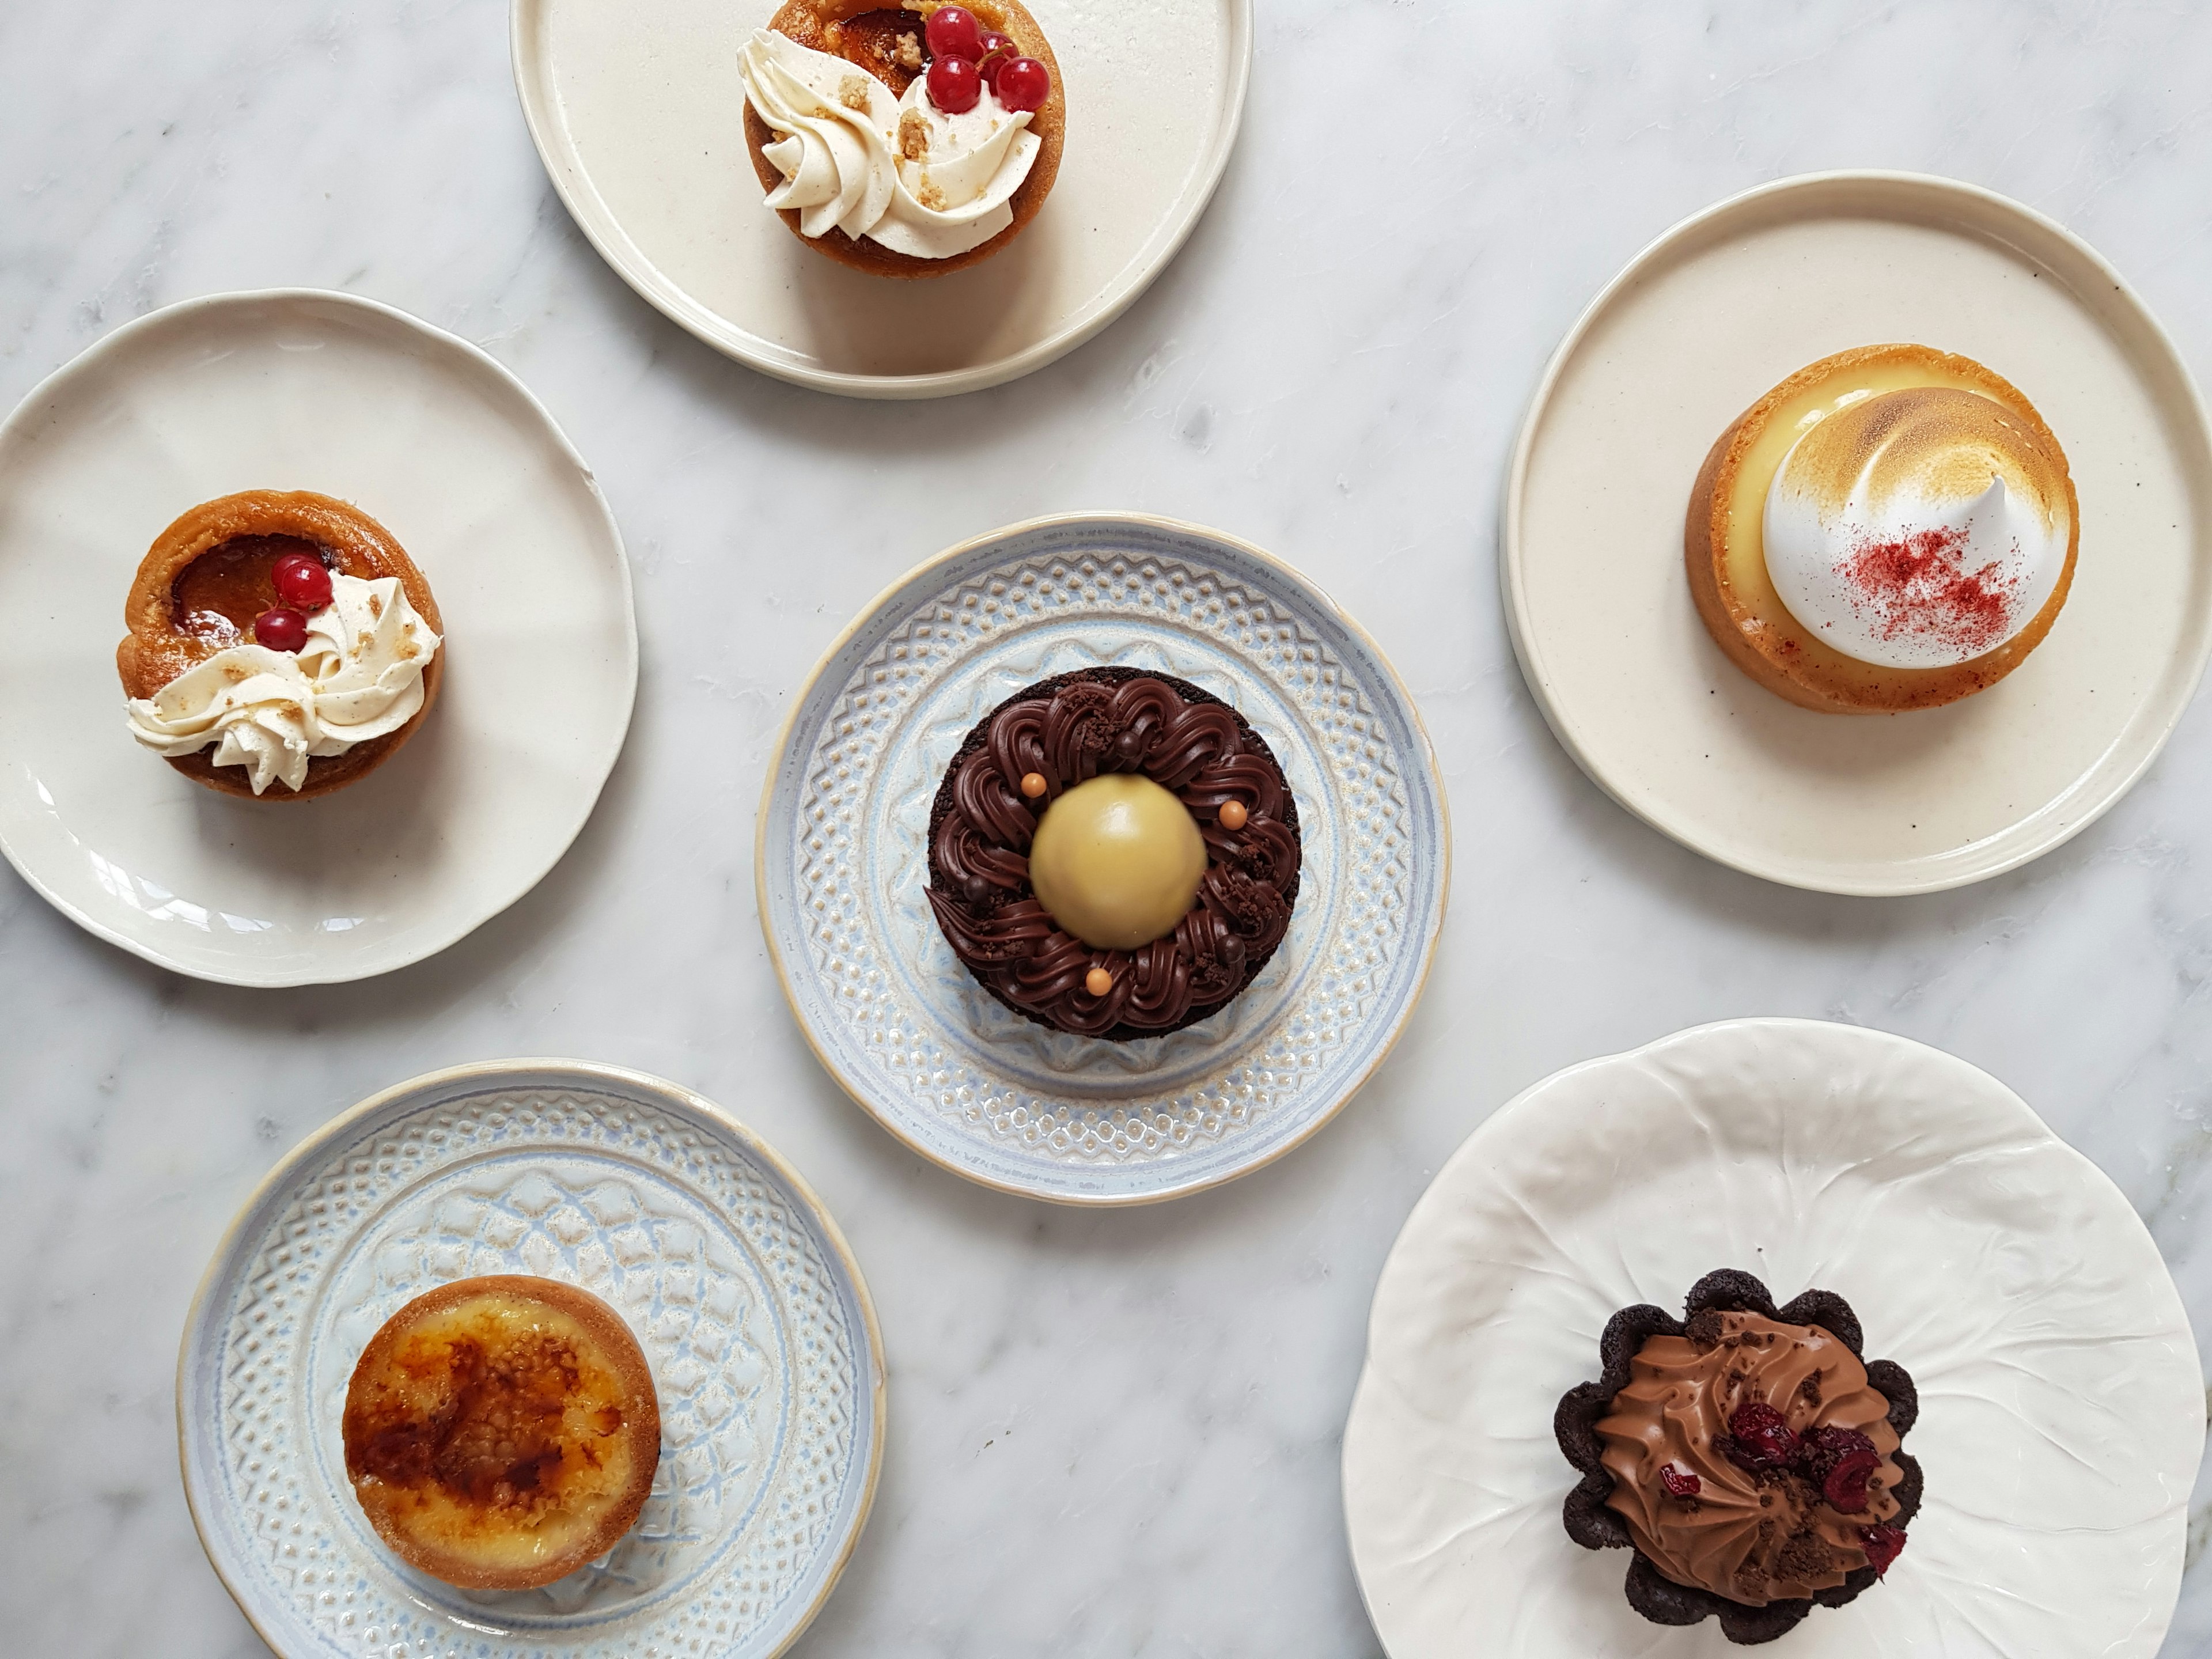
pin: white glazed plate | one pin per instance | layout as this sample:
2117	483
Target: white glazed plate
2062	1407
736	1283
843	861
638	114
297	390
1698	327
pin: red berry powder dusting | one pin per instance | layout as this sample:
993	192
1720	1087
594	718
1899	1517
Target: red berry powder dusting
1917	586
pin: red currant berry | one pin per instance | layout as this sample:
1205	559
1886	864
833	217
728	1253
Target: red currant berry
953	33
301	581
997	48
1023	83
281	630
954	84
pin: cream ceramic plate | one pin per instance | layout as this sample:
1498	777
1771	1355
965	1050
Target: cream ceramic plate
843	861
639	115
1700	325
736	1283
447	450
2062	1407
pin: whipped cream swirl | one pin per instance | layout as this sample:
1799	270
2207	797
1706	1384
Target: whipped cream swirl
358	677
899	172
1918	528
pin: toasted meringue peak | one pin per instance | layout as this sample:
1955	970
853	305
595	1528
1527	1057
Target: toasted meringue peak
1918	528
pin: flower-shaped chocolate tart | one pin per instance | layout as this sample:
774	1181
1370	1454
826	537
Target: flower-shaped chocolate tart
1113	854
1746	1453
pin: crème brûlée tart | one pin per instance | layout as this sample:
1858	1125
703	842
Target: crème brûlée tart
1891	528
502	1432
281	644
903	140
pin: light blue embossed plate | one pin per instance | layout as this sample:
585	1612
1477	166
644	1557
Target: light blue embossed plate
843	865
749	1306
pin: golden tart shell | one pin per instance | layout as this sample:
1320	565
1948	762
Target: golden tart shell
1726	558
858	30
502	1432
158	648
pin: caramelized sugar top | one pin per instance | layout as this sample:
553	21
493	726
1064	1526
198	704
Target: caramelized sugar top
501	1407
218	595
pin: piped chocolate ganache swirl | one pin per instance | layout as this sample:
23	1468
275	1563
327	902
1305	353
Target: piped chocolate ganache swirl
1062	732
1747	1453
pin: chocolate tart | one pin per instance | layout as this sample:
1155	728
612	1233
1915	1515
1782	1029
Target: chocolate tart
1069	729
1727	1325
867	36
500	1433
1724	548
209	575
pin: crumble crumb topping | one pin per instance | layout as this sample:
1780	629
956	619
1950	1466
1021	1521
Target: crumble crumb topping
914	136
853	93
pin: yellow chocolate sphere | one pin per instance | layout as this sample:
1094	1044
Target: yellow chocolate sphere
1117	862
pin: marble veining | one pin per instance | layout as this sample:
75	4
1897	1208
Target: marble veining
1110	1433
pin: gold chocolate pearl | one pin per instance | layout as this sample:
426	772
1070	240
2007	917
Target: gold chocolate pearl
1098	981
1117	862
1233	815
1033	784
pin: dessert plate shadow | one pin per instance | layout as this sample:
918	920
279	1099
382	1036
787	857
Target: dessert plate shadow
301	390
638	115
751	1311
1699	324
842	861
1999	1266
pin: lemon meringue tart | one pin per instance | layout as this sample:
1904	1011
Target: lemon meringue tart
281	644
903	140
500	1433
1891	528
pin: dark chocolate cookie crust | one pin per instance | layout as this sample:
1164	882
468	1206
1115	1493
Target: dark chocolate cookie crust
1253	743
1595	1526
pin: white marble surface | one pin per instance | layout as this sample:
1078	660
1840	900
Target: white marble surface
1111	1434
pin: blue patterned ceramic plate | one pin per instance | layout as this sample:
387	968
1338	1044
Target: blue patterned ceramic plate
843	862
750	1309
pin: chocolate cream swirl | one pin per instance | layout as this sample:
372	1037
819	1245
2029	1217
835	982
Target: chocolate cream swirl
1752	1537
1073	729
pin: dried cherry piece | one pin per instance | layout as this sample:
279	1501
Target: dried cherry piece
1760	1437
1883	1545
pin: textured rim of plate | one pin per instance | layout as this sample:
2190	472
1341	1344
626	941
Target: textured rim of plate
1699	224
449	1079
875	612
557	151
1500	1122
479	359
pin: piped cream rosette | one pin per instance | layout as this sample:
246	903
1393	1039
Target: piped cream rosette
898	171
358	677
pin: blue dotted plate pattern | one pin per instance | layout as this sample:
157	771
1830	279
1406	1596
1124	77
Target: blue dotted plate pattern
757	1334
844	863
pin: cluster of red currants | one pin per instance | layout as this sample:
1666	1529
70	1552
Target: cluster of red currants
964	58
305	586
